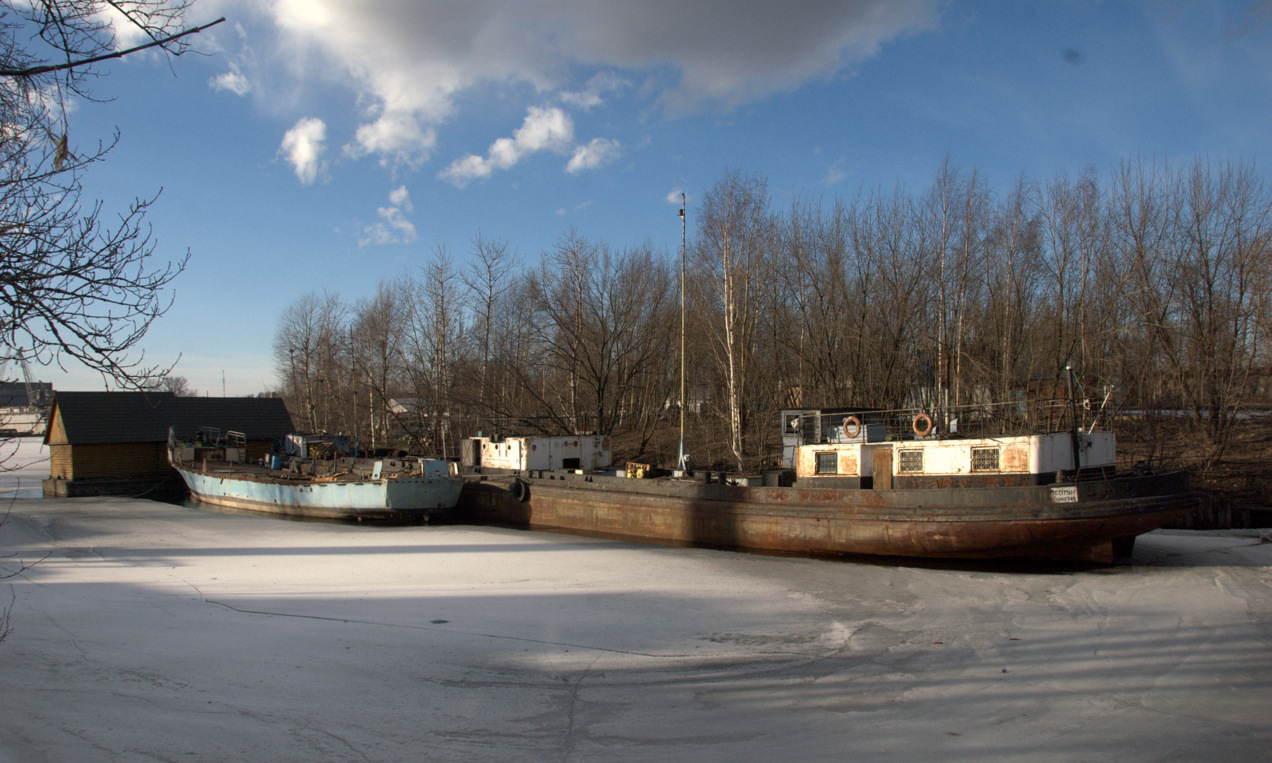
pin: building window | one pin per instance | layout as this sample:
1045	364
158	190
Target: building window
828	463
984	459
911	461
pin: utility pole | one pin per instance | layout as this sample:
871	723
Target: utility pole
682	463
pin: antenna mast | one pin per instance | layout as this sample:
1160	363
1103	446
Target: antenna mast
682	463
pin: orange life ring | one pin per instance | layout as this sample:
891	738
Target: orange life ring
922	425
855	425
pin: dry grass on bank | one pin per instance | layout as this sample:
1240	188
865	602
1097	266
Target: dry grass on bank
1241	476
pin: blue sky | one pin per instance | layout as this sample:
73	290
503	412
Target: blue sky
332	144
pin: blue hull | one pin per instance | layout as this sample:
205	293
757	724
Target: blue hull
397	498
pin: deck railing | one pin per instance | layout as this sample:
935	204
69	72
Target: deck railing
977	420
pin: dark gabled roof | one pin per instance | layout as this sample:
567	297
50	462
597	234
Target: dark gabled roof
14	394
258	418
109	417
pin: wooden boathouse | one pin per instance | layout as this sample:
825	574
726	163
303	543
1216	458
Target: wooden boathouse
115	443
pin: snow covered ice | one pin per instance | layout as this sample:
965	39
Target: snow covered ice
149	630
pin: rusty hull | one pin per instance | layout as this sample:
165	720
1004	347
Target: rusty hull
976	523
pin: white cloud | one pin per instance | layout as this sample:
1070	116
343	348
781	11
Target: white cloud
397	137
461	171
543	130
407	62
591	95
127	34
590	156
304	145
674	197
233	81
577	207
393	227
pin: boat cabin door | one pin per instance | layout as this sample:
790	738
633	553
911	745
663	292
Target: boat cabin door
882	468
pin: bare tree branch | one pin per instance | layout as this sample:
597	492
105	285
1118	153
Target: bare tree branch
37	70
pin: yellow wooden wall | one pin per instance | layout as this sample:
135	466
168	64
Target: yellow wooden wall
104	461
107	460
97	461
57	430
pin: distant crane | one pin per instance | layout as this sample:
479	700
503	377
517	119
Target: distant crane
35	400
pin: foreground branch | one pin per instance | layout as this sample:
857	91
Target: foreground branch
38	70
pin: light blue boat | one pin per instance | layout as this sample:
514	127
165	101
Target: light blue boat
403	489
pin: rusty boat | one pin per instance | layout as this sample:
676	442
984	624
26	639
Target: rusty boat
848	488
312	480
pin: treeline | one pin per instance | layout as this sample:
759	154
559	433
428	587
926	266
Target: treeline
1150	280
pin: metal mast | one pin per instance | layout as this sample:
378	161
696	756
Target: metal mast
683	462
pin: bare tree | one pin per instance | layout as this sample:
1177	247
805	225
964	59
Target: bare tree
1002	321
520	362
376	340
1142	209
1224	276
487	279
1195	245
73	285
434	348
736	234
605	325
951	215
309	356
902	301
1158	282
815	266
177	385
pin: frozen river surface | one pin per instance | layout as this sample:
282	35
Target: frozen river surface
151	631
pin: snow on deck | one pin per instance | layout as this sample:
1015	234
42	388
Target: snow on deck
151	630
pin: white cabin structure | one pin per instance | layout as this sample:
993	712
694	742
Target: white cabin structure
1020	459
542	453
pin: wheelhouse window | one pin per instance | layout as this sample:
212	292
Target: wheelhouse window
985	459
828	463
910	461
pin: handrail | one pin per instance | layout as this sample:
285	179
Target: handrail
987	419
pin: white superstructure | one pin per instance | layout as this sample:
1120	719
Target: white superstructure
574	452
1021	454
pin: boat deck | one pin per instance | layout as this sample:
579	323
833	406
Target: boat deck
317	472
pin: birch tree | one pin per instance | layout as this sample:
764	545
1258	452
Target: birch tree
736	235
